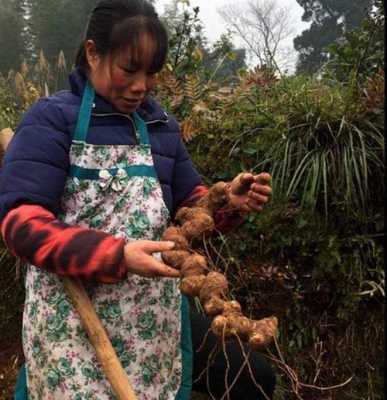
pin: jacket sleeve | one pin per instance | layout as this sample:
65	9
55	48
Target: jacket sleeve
36	236
36	162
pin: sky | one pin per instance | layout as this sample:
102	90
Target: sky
214	25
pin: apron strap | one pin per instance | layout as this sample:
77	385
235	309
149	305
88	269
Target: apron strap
84	116
83	121
141	128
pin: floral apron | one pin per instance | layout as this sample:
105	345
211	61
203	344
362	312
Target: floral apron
113	188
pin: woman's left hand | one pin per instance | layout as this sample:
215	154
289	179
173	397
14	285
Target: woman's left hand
249	192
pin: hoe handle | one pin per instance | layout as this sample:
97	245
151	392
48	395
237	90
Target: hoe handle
98	337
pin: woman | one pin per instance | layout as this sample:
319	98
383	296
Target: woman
89	183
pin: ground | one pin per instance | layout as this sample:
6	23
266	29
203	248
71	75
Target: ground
11	357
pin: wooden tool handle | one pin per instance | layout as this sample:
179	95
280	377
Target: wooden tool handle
98	337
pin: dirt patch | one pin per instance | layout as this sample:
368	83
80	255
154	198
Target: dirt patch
11	358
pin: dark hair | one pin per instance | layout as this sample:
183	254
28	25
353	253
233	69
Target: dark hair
116	24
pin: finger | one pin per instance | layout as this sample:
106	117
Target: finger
262	189
246	180
245	208
254	206
149	246
246	177
158	268
263	178
258	198
241	184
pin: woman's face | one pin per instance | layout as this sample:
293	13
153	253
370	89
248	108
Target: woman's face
119	78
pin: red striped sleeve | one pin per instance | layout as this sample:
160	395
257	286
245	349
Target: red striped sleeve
34	234
225	219
194	196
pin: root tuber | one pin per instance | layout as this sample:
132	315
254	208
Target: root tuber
191	285
174	234
175	258
263	331
195	264
214	199
212	289
215	285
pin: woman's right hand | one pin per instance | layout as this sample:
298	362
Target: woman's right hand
139	259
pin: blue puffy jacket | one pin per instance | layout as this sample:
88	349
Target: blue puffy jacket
36	163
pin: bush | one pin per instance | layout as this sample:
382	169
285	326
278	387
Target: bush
314	257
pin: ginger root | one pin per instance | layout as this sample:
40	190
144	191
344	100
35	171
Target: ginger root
212	288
